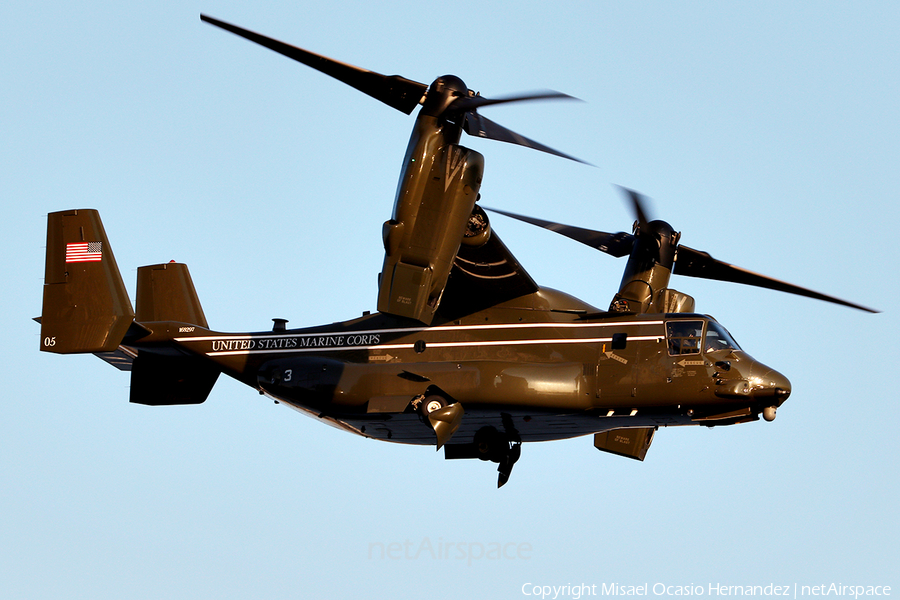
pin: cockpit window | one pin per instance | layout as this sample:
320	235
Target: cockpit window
684	337
718	339
687	337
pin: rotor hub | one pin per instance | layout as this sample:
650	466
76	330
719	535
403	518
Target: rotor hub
442	93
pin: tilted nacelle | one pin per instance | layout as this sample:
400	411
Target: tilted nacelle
435	197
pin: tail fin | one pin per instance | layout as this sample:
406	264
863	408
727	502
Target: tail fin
163	377
166	292
86	309
166	380
85	305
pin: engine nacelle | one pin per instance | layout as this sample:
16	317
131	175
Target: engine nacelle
435	200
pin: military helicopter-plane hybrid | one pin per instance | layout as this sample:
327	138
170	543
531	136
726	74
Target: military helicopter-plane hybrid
466	352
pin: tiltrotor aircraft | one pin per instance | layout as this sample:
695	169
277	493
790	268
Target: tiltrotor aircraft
466	352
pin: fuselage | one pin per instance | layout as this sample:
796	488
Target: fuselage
544	366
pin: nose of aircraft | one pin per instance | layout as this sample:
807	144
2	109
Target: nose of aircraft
771	386
778	383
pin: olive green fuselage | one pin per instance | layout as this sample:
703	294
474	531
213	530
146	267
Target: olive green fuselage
544	366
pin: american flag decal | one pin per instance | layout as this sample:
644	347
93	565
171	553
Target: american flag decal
84	252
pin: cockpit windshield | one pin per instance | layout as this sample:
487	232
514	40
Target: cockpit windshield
687	337
718	339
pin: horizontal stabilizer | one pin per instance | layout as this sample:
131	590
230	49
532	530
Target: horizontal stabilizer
122	358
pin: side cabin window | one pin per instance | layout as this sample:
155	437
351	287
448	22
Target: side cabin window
684	337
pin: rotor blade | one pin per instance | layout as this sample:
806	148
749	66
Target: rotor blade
467	103
480	126
695	263
395	91
614	244
638	202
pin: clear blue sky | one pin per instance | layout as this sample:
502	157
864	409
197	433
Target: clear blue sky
768	134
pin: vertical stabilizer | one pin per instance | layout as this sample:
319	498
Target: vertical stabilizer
85	306
161	377
166	292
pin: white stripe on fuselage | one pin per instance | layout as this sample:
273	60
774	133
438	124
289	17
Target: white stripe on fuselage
246	336
408	346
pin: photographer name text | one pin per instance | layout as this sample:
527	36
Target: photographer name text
791	590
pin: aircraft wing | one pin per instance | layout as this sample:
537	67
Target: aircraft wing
484	276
